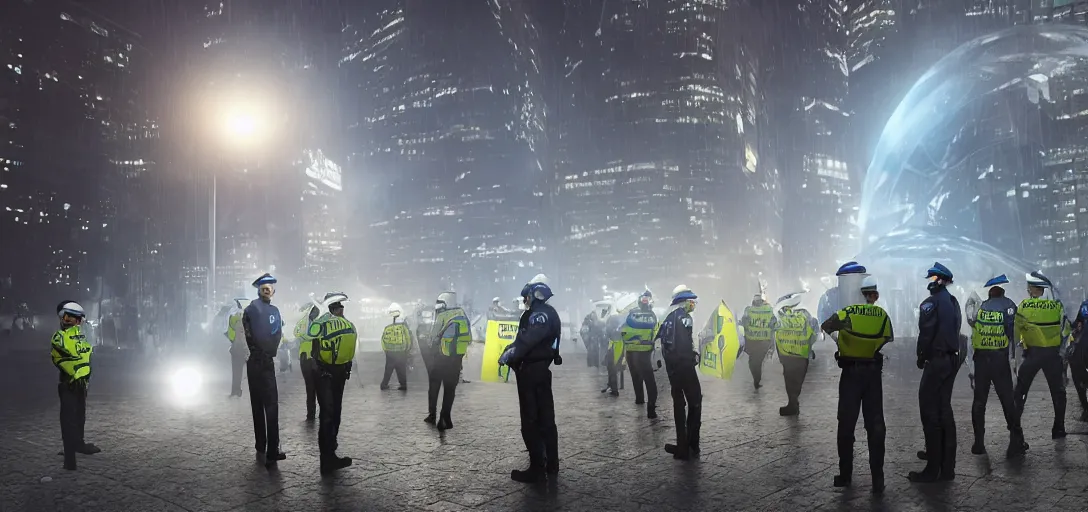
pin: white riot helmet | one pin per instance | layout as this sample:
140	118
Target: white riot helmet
868	284
496	301
1038	280
445	300
395	310
70	308
791	300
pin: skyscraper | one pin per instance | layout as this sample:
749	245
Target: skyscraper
661	175
447	124
77	143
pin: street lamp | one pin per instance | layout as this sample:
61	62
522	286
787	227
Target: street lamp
241	123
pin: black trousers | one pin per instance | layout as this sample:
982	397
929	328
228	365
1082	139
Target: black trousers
757	353
1078	367
686	393
935	407
615	379
794	370
538	413
73	417
1049	361
264	398
861	391
330	395
396	361
309	376
642	374
444	376
237	365
992	367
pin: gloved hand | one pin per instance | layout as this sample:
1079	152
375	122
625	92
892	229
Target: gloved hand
921	363
508	354
558	360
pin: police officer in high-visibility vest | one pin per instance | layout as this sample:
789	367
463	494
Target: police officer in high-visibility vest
1041	327
939	322
758	322
397	344
679	351
333	350
637	333
238	350
306	363
451	334
72	356
863	329
992	328
794	333
1078	358
534	349
263	326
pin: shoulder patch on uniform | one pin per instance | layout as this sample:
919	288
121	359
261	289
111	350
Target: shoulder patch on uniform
1011	311
686	321
538	318
927	307
1084	309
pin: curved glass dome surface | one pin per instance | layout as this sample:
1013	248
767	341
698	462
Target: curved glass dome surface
973	167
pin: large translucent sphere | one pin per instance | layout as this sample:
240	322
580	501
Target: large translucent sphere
969	167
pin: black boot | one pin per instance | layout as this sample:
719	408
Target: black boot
89	449
979	448
791	409
444	423
878	482
1057	431
842	481
678	452
429	419
272	458
651	411
932	455
1017	445
334	463
532	475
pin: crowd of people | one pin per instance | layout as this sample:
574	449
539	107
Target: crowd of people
327	346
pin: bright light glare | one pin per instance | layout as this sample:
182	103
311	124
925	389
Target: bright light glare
242	124
186	382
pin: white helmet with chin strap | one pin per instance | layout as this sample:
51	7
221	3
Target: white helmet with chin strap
70	308
395	310
790	300
445	300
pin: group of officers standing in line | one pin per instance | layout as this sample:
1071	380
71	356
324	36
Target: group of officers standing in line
1038	324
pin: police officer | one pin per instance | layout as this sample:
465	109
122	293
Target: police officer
1078	358
451	335
397	344
531	354
614	353
794	333
863	329
679	351
758	321
1040	326
939	321
637	333
72	356
264	332
238	351
306	362
333	350
424	326
992	328
589	338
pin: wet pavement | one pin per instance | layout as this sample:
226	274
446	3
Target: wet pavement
159	454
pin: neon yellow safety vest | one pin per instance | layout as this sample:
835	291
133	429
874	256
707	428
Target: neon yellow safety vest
454	336
1039	322
757	326
792	334
396	338
234	326
71	353
335	337
989	331
305	342
867	329
637	331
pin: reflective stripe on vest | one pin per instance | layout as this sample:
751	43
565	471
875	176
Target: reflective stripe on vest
336	339
1039	322
758	324
396	338
637	331
865	332
71	353
792	334
455	336
989	331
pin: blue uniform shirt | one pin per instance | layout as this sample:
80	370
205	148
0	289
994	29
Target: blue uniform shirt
264	328
939	321
677	346
1082	321
538	336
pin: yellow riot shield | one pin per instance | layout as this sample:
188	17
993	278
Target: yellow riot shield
499	335
719	344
